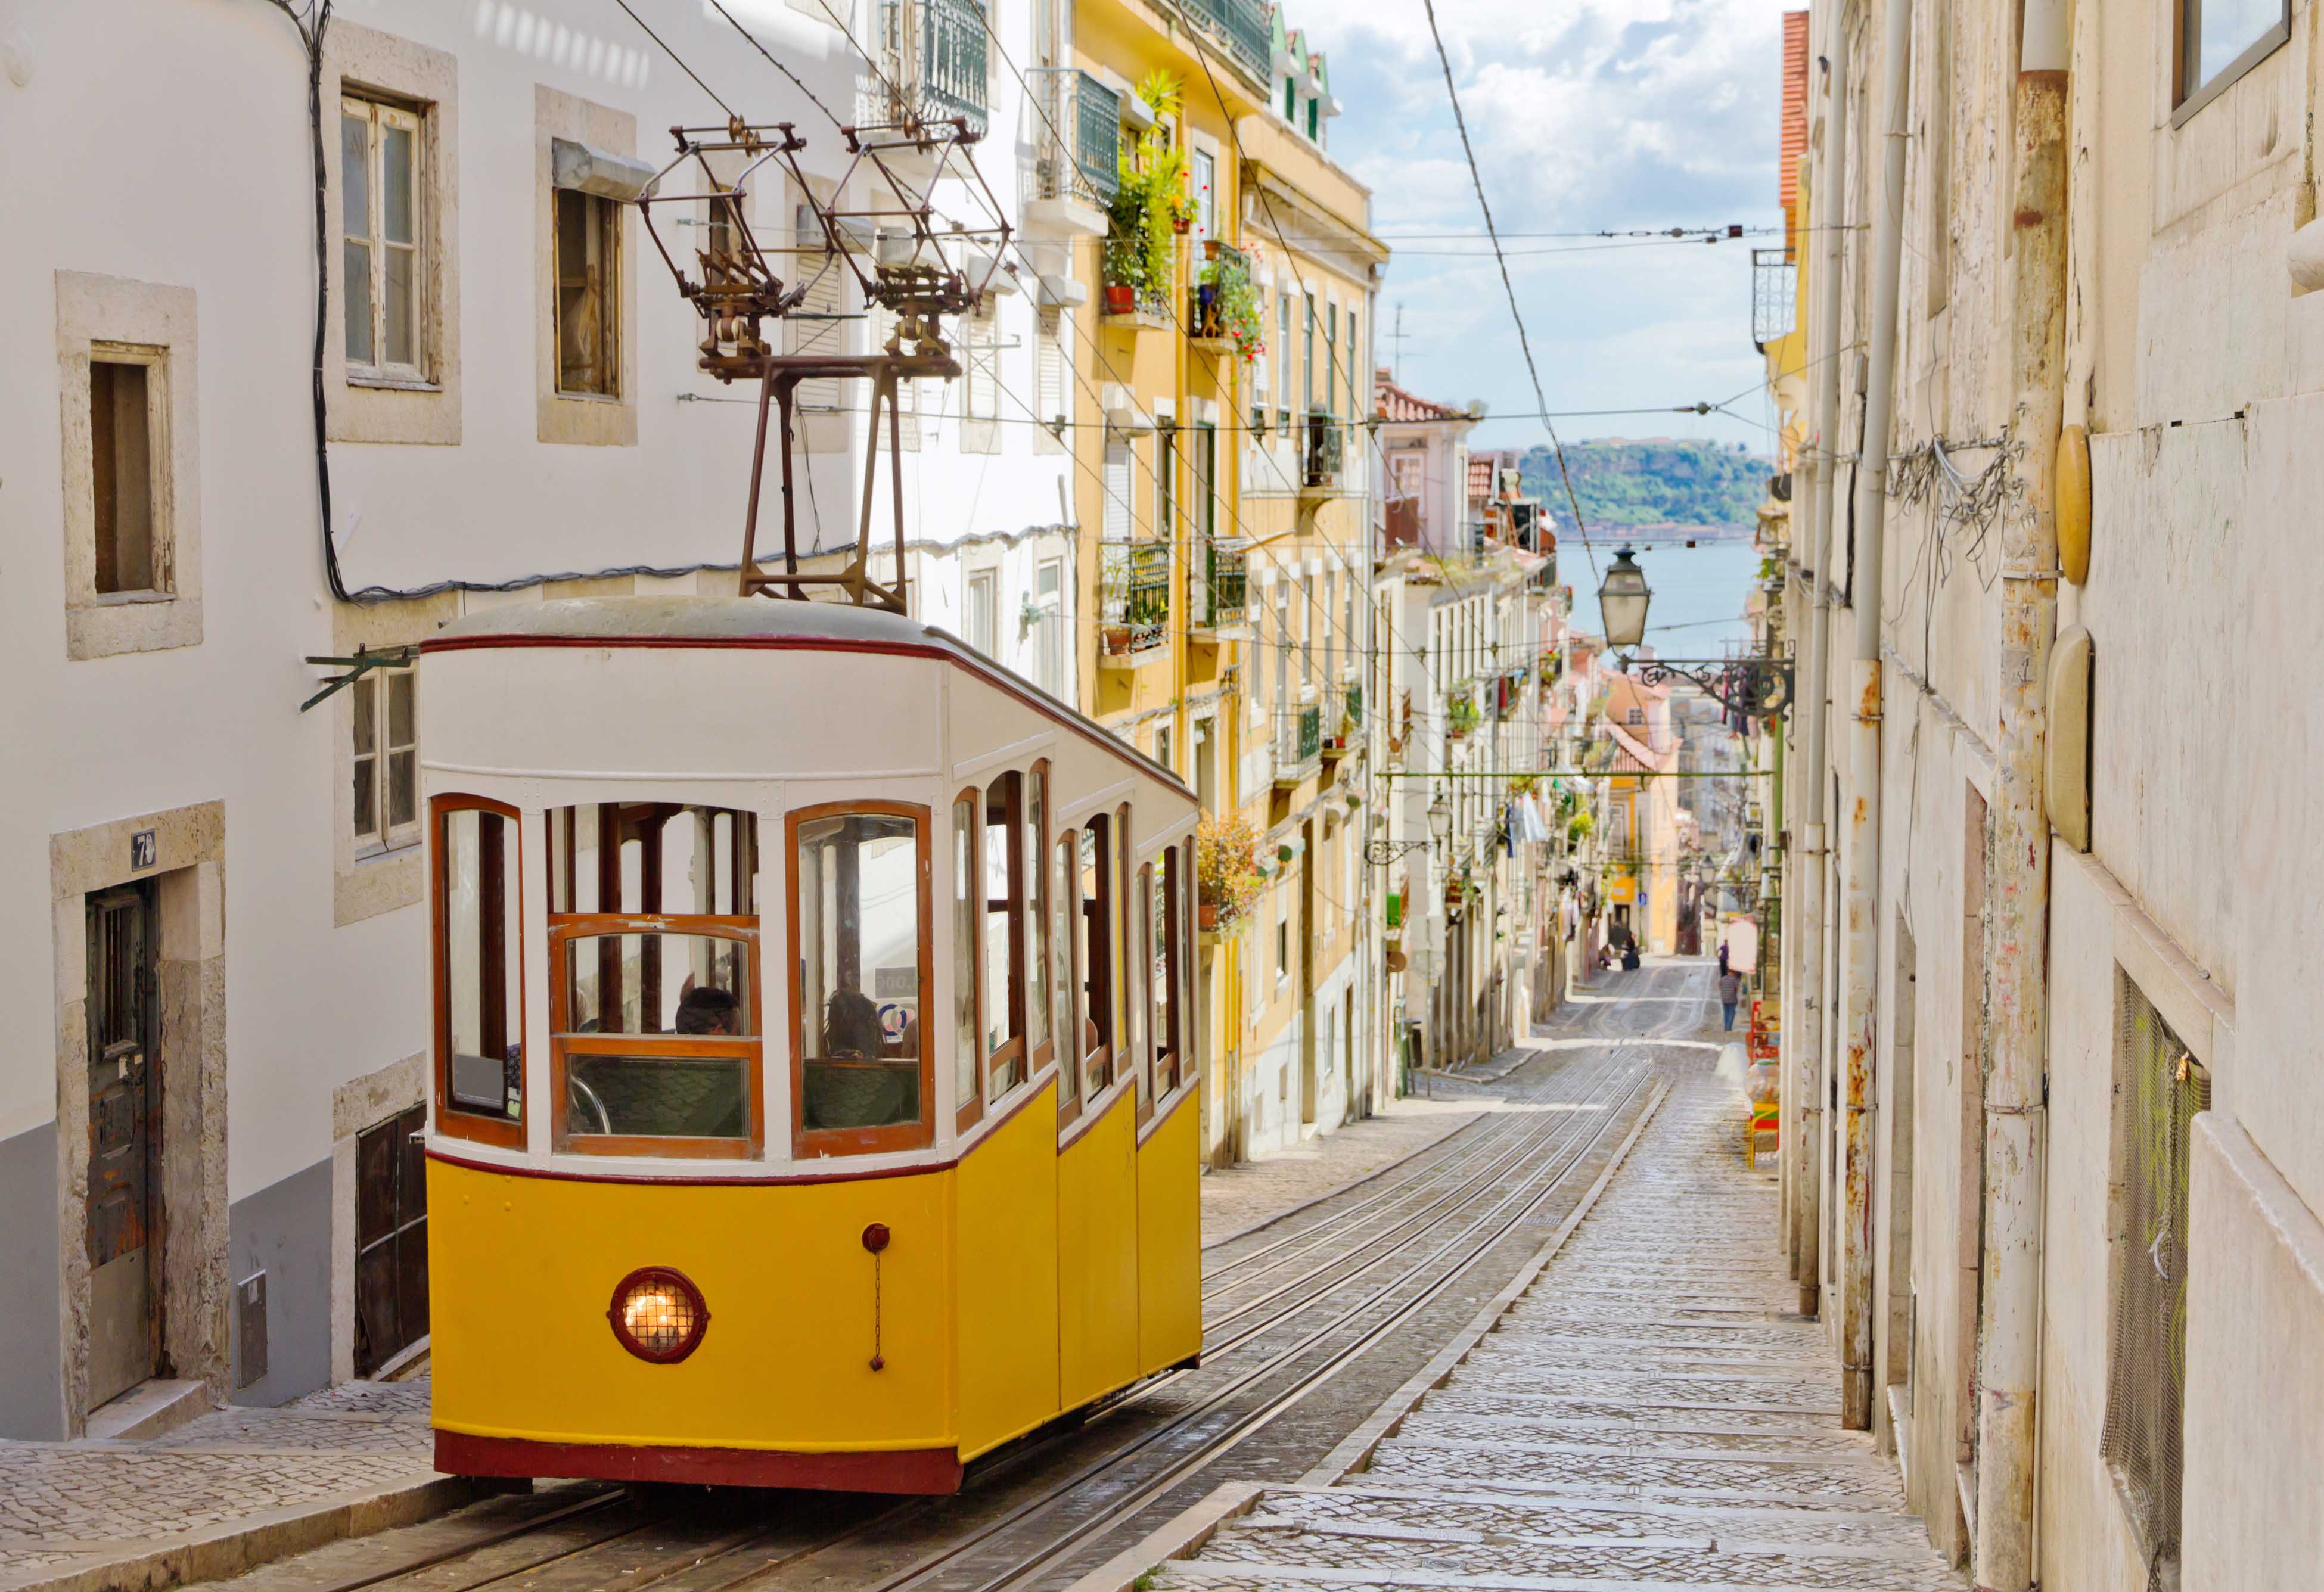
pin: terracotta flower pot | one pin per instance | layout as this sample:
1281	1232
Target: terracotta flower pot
1211	247
1121	298
1207	915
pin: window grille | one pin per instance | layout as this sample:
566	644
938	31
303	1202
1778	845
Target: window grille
2160	1088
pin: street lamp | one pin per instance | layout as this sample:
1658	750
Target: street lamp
1622	599
1381	853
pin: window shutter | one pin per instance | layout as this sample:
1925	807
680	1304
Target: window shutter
983	364
1116	523
825	276
1049	366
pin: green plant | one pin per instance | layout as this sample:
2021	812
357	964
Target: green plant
1227	876
1461	714
1141	244
1234	305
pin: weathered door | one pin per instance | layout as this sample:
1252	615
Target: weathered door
125	1098
390	1240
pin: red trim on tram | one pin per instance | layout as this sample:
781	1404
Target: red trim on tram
896	1470
1110	1096
1048	706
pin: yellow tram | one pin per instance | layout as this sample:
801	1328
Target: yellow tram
813	1048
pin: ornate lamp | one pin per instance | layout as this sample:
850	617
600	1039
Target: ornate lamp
1622	599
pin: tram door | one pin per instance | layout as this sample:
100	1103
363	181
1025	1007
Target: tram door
124	1100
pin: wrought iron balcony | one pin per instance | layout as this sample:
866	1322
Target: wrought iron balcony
1081	141
1298	743
1133	601
1224	603
932	61
1241	25
1775	294
1324	455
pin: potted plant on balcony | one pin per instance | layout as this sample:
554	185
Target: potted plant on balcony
1460	715
1151	207
1228	305
1227	879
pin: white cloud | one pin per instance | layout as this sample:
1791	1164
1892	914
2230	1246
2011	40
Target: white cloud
1585	114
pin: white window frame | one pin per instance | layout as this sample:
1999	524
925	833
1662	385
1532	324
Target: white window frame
374	690
1049	598
980	611
378	114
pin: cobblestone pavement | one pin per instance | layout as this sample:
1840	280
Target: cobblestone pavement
1236	1197
68	1506
1649	1414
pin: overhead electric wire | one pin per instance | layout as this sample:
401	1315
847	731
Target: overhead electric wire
680	59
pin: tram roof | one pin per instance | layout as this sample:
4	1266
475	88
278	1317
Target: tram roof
776	624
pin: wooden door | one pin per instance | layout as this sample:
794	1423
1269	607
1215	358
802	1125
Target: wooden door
391	1240
123	1208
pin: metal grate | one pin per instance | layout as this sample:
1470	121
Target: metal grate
2161	1087
935	60
1775	294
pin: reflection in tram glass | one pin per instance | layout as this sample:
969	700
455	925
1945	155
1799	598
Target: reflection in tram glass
859	952
482	956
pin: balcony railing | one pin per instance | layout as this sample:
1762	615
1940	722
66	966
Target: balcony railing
1081	159
1133	598
1775	294
932	61
1224	600
1324	455
1241	25
1298	743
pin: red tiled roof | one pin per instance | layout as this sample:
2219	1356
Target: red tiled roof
1795	108
1395	403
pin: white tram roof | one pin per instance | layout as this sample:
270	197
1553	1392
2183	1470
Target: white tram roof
680	621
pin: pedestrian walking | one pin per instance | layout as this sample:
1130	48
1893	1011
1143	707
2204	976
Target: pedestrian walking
1730	991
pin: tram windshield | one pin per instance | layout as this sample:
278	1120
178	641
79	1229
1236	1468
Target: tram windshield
860	958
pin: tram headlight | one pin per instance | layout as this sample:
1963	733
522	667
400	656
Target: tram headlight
657	1314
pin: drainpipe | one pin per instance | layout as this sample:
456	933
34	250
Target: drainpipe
2017	910
1862	957
1804	1040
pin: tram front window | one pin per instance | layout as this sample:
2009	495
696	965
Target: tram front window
652	931
861	951
479	955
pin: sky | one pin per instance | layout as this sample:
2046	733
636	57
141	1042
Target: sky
1587	115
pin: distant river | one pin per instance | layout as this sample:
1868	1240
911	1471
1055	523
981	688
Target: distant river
1699	591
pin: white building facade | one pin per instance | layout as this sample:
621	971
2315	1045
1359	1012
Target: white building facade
212	898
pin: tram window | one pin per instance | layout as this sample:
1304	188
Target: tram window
1004	900
1063	991
664	983
1121	877
967	1044
479	954
1095	893
1034	857
1164	978
1140	954
652	858
860	948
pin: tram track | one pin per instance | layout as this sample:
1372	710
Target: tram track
1498	1180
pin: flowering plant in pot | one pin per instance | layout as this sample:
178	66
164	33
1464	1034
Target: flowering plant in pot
1228	302
1227	879
1151	207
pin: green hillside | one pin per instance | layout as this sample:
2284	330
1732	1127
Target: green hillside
1661	480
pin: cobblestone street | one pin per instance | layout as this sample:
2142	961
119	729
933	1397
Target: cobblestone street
1646	1413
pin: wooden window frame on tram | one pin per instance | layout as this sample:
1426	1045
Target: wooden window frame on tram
452	1121
564	929
806	1142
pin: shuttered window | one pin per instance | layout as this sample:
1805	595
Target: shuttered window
1116	523
825	276
1049	364
981	327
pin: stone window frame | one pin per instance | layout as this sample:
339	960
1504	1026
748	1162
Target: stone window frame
366	882
580	419
363	63
356	1105
155	325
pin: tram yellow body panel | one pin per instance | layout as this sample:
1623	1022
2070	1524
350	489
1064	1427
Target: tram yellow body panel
522	1350
1170	1241
1006	1240
1097	1271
